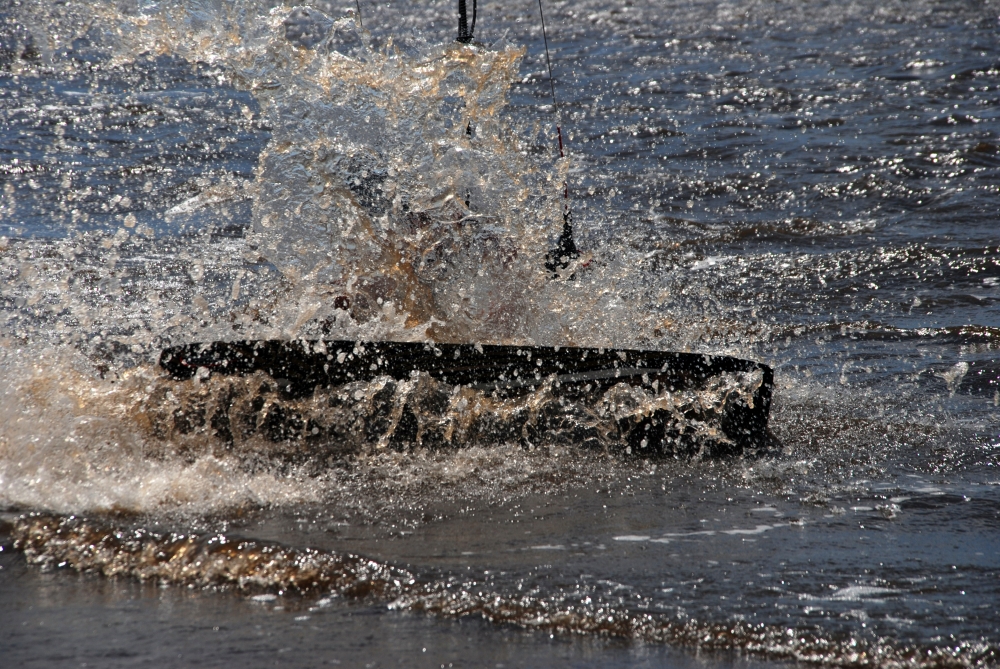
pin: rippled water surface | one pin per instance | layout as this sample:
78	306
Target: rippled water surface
813	185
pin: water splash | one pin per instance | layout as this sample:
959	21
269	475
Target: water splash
73	442
396	198
394	186
387	192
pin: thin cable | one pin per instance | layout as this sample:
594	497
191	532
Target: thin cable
565	251
548	63
360	22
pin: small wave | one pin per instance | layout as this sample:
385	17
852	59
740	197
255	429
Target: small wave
268	570
857	593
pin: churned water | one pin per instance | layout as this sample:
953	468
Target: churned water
814	185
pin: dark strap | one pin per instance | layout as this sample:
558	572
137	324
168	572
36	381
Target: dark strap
465	31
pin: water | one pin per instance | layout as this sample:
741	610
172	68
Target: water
814	186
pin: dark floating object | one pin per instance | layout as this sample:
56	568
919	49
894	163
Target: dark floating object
299	367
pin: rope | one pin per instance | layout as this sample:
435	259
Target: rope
565	251
464	32
548	63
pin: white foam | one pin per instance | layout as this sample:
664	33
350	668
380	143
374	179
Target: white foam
710	261
760	529
856	593
263	599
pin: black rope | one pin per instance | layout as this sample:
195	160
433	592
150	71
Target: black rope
464	31
360	24
565	251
